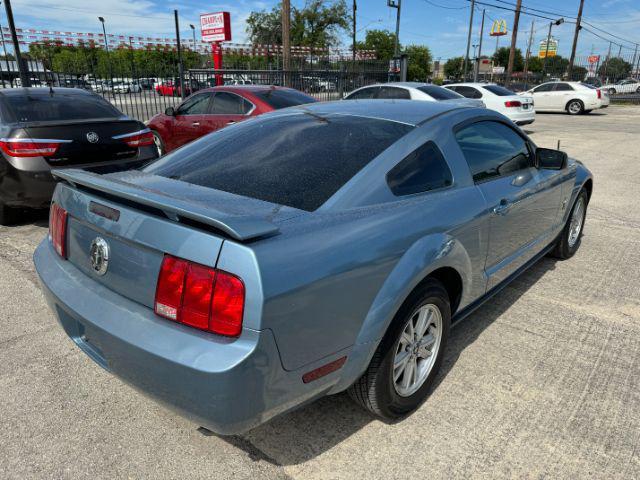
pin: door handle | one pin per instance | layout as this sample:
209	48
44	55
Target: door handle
195	124
502	208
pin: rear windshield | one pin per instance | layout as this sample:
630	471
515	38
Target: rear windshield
45	108
498	90
298	160
284	98
440	93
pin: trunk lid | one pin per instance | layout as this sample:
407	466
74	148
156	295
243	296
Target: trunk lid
142	217
91	140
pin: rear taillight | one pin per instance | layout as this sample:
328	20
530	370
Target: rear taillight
200	296
599	93
137	139
29	147
512	103
58	229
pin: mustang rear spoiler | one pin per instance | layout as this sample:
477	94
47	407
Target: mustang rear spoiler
239	227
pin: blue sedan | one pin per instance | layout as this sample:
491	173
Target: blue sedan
305	252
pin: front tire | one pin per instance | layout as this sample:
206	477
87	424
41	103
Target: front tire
612	91
406	362
575	107
158	143
569	241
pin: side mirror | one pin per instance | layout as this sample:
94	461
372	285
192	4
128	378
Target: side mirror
549	159
170	111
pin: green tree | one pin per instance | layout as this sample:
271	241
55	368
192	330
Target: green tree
318	24
419	62
535	64
615	68
380	41
501	57
453	68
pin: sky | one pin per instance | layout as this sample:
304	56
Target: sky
440	24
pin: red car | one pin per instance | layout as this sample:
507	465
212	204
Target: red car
214	108
171	88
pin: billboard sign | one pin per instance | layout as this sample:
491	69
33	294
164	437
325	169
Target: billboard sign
215	27
498	28
553	48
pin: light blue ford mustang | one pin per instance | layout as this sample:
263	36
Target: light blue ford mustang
303	253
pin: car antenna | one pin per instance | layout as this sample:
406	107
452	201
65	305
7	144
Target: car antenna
558	145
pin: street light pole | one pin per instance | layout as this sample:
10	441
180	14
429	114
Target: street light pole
397	4
546	53
193	30
106	47
477	69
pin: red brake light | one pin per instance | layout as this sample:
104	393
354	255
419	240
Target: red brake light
141	138
58	229
28	147
200	296
512	103
599	93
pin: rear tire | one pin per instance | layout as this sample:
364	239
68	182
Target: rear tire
612	91
569	241
408	346
575	107
7	214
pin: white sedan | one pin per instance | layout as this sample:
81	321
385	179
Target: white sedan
411	91
571	97
126	87
517	108
628	85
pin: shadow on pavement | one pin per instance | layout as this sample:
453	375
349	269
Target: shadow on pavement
302	435
25	216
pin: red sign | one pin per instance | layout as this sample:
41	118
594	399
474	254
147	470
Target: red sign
594	59
215	27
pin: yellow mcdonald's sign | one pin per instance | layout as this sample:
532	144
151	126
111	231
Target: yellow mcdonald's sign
498	28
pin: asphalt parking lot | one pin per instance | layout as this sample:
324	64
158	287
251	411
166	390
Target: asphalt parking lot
541	382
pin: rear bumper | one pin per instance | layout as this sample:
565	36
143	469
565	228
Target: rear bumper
522	118
226	385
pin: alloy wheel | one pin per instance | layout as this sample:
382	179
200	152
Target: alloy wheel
417	350
577	220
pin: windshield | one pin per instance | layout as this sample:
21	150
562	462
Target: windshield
440	93
59	106
498	90
300	159
280	98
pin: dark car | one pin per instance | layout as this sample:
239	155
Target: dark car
45	128
214	108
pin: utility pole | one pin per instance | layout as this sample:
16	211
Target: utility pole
466	56
180	67
24	76
353	43
286	44
528	55
514	38
606	62
575	41
620	51
635	54
477	69
193	30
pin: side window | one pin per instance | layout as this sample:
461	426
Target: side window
394	92
422	170
225	103
363	94
563	87
196	105
468	92
545	87
493	149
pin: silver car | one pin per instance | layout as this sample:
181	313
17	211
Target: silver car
308	251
